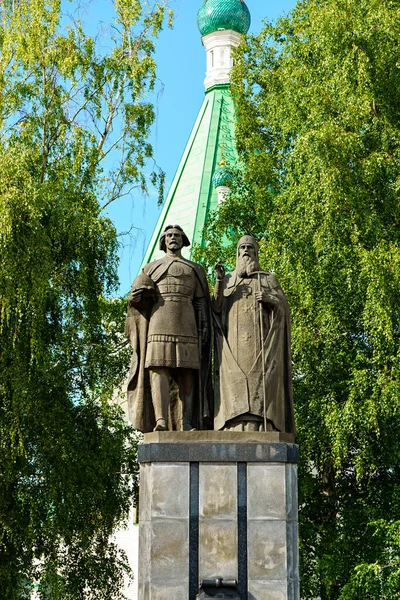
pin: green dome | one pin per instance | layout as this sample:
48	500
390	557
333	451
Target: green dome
222	176
223	14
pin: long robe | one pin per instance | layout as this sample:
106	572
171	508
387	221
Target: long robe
240	376
149	319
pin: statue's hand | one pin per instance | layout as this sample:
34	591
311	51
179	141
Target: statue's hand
219	270
135	298
266	298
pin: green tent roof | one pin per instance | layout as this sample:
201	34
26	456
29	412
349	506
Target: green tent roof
192	195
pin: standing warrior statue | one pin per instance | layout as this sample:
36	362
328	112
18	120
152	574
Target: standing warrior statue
168	326
253	388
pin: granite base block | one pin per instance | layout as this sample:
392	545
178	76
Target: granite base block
267	590
218	506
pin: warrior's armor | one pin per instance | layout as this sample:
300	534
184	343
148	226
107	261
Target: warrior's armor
173	337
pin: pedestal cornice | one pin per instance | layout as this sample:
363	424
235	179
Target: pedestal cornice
218	446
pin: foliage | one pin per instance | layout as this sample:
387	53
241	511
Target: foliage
378	580
318	133
74	120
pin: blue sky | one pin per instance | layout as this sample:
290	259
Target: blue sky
180	61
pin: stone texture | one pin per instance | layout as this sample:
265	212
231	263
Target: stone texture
145	491
291	492
144	453
292	535
218	520
293	453
170	490
164	531
244	437
217	451
272	531
267	549
144	590
268	590
169	554
163	452
194	531
293	589
218	549
169	592
218	491
242	528
266	491
144	553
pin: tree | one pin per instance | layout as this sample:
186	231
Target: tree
74	121
318	131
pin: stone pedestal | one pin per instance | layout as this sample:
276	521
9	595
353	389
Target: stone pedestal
218	504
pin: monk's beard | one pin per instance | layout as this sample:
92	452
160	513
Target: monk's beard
246	265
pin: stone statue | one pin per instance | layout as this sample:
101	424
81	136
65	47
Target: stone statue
253	387
168	325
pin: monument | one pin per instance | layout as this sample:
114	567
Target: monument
218	476
218	508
